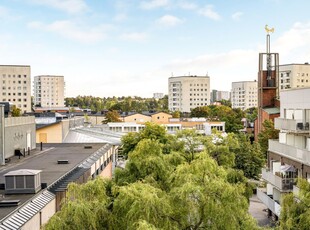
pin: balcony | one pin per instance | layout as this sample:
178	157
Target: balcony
295	190
296	126
268	201
283	184
300	155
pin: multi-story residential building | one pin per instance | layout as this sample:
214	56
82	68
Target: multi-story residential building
188	92
294	76
217	95
244	94
49	91
158	95
15	85
289	156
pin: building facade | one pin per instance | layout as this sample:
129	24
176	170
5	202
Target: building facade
244	94
288	157
188	92
49	91
294	76
15	85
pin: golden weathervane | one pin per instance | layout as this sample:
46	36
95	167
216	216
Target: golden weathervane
269	30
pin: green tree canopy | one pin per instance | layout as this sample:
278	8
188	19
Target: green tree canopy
268	132
111	116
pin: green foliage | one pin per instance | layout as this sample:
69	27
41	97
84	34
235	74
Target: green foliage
249	157
164	190
124	104
85	208
295	211
176	114
251	114
153	132
111	116
16	112
203	111
268	132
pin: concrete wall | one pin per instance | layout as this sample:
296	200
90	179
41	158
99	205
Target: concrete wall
19	134
96	120
139	118
50	134
160	118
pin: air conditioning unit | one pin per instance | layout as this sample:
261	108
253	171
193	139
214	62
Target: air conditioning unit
23	181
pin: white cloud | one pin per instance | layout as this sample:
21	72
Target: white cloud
151	4
188	5
72	31
294	44
208	11
134	36
120	17
236	16
69	6
169	20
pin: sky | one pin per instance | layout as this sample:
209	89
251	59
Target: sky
110	48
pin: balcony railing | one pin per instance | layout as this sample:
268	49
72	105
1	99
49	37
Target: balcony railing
295	190
291	125
268	201
301	155
282	184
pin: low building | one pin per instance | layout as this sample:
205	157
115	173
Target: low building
17	135
35	185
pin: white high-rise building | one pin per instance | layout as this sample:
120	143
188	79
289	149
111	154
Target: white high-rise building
188	92
49	91
244	94
294	76
15	85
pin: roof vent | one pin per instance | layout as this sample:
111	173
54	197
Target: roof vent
22	181
9	203
61	162
88	147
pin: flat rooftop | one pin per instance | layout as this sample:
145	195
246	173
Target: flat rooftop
46	160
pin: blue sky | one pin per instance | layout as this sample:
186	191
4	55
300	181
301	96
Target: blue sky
130	47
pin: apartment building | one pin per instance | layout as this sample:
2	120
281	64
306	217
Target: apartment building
244	94
289	156
188	92
294	76
49	91
15	86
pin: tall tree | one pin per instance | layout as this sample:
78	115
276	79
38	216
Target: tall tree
268	132
111	116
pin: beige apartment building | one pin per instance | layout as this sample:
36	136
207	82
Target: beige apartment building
15	85
49	91
294	76
244	94
188	92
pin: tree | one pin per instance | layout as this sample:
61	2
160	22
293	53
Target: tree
203	111
176	114
111	116
268	132
159	190
295	211
249	157
16	112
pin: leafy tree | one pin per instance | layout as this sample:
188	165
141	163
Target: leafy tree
191	141
111	116
249	157
176	114
16	112
203	111
295	211
251	114
268	132
226	102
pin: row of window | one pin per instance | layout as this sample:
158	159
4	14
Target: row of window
14	94
14	82
14	88
19	99
13	76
